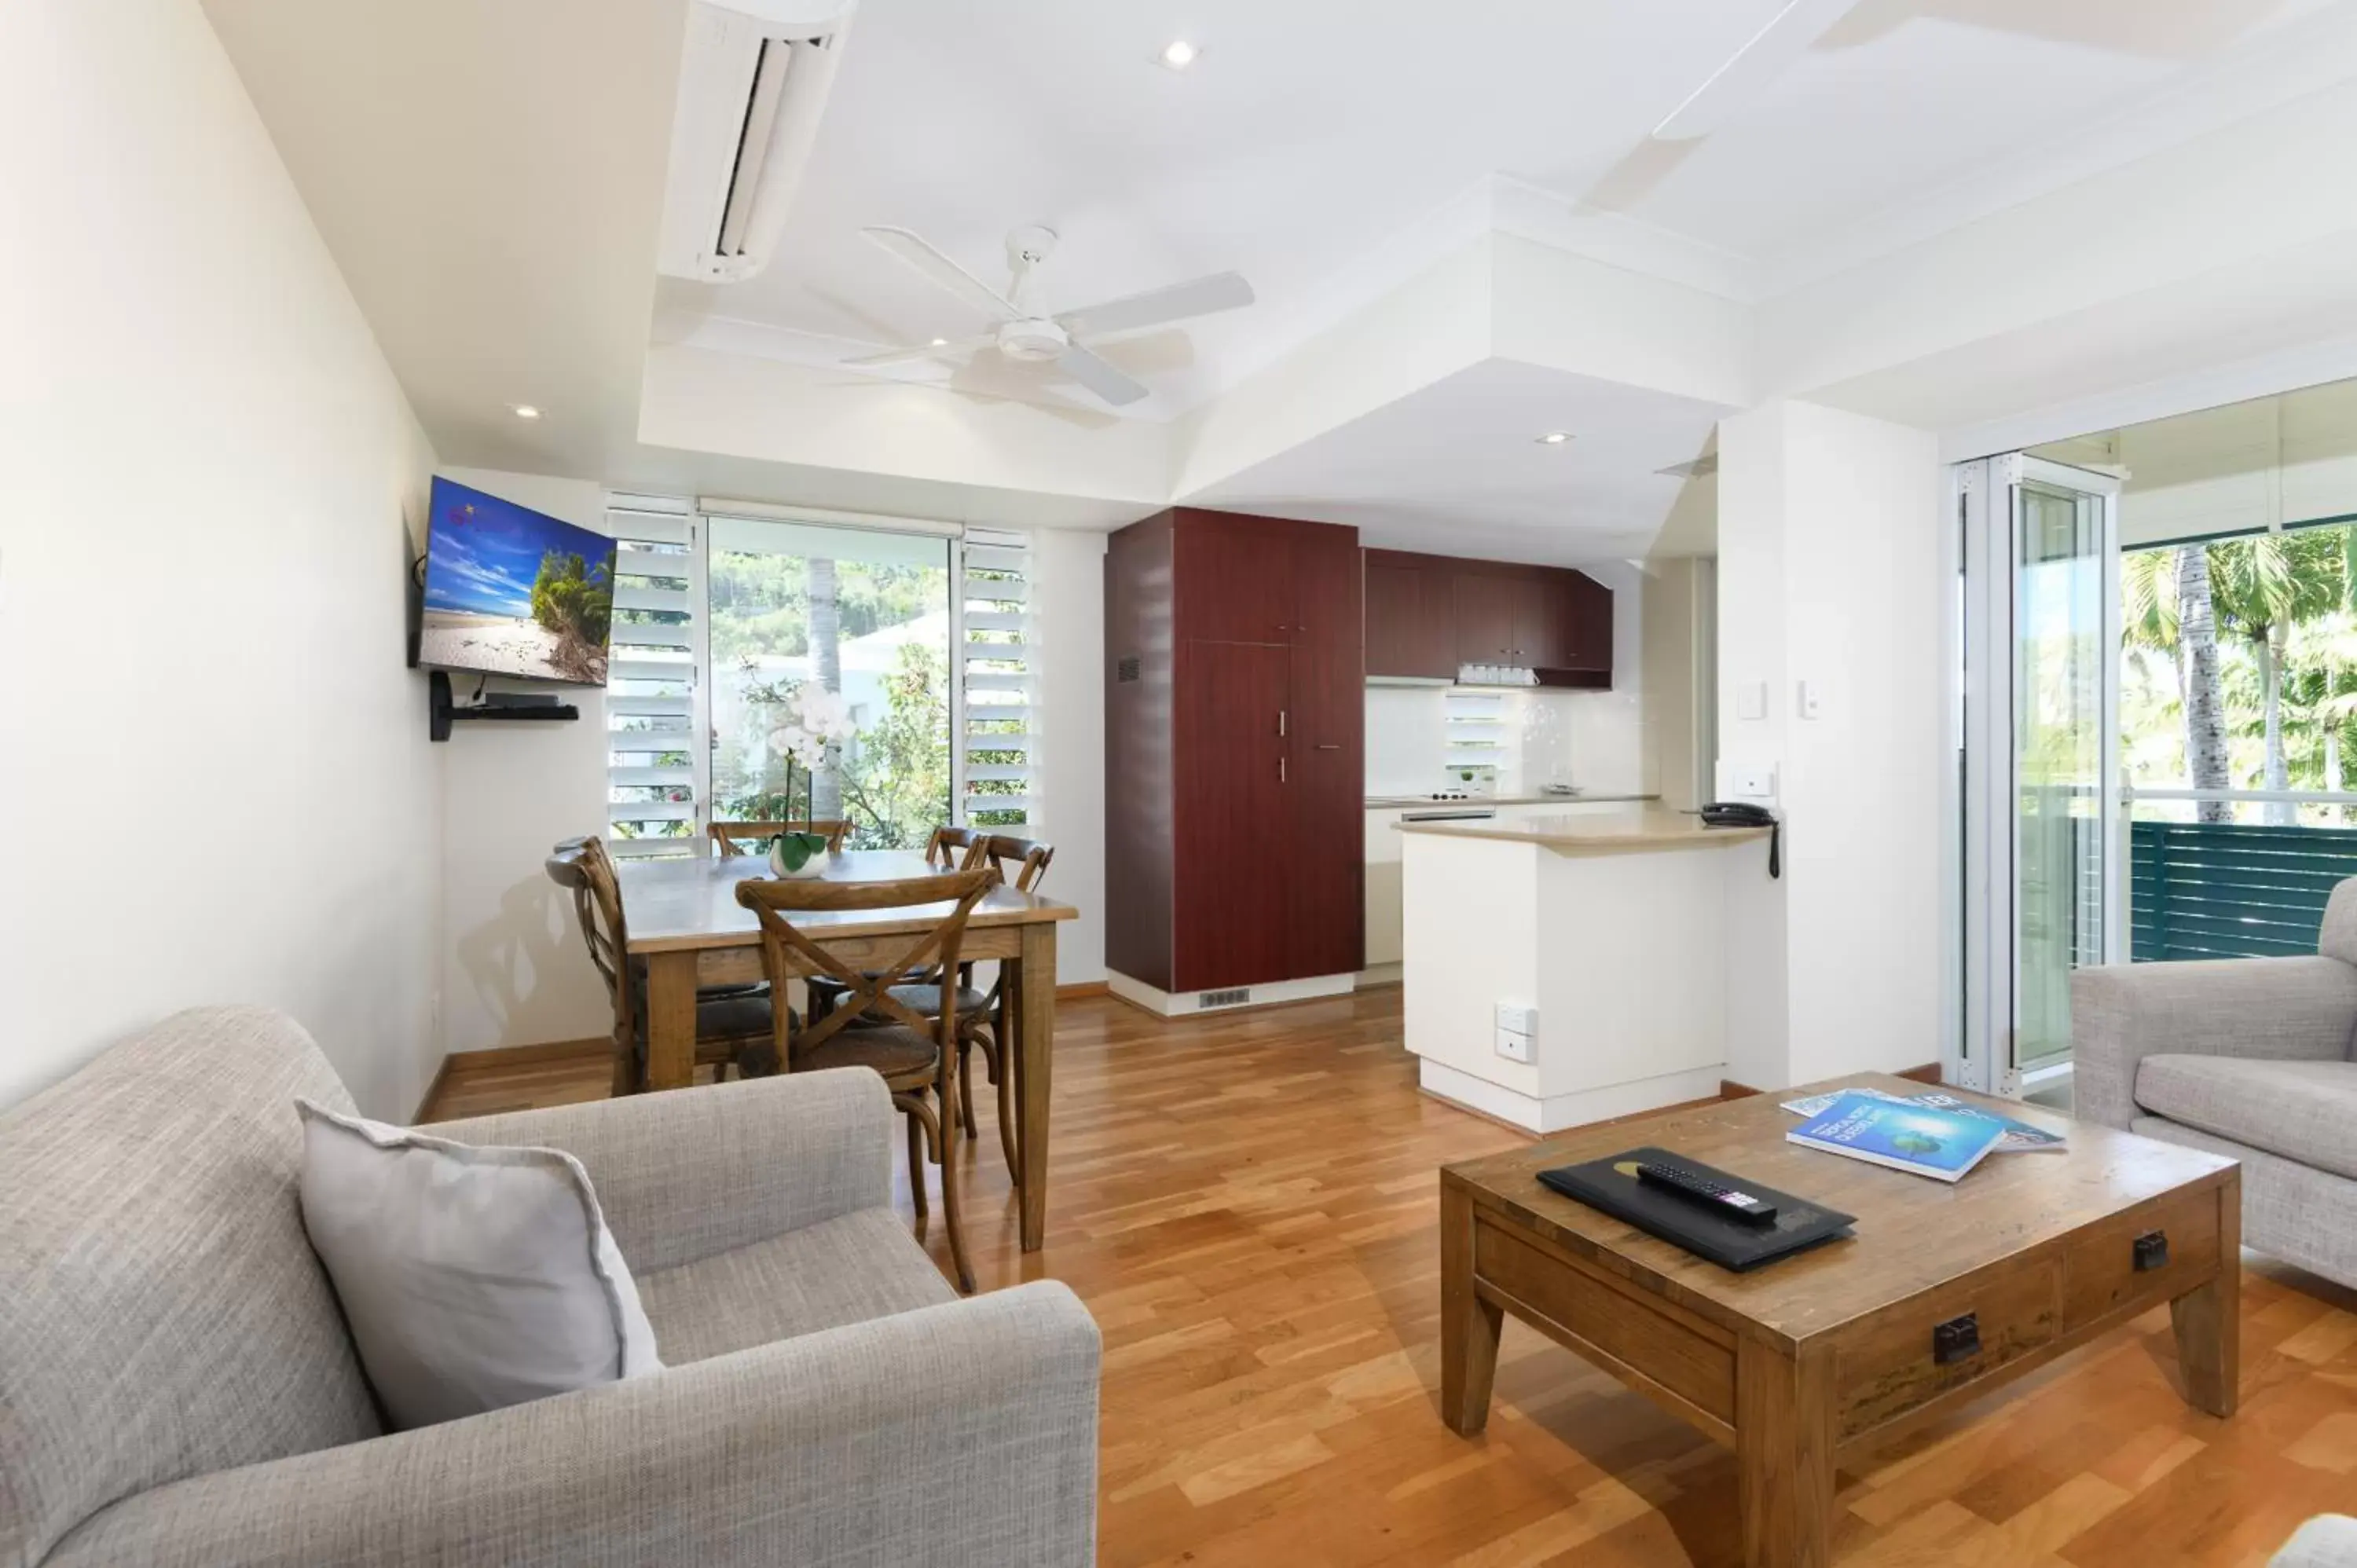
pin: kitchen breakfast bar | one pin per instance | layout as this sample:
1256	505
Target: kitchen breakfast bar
1562	969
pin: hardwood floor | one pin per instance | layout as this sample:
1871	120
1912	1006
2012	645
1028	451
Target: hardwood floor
1248	1204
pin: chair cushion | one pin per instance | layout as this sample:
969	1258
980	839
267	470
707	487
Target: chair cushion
926	999
726	1015
893	1050
164	1315
2302	1111
474	1277
846	1269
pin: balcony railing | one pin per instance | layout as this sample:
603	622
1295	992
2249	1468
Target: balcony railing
2203	890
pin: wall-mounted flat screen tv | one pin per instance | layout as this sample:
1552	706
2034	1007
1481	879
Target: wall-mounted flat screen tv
510	591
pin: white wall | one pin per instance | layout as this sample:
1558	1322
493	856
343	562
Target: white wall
514	969
220	787
1068	609
1830	574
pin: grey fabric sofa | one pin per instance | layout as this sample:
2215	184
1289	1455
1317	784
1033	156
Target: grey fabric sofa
2327	1541
177	1386
2250	1058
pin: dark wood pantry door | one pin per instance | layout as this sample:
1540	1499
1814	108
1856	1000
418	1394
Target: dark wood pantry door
1232	823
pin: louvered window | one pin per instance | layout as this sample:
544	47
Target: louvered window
1000	700
656	770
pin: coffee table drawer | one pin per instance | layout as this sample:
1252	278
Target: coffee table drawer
2150	1254
1888	1364
1646	1335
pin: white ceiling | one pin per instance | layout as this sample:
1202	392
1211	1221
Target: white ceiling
1309	132
488	176
1456	468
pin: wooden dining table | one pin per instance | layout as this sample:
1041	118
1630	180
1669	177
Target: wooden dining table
686	924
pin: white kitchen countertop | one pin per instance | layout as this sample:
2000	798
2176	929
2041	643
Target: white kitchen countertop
1610	832
1406	802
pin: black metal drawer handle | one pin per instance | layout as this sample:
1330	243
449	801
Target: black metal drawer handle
2152	1251
1957	1339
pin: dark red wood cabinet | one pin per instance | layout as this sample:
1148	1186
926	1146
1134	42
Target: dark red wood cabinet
1429	615
1235	751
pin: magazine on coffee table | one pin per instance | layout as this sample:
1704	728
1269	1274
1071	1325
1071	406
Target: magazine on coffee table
2020	1138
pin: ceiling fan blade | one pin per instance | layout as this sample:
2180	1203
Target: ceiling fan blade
1098	376
919	351
944	272
1201	296
1785	38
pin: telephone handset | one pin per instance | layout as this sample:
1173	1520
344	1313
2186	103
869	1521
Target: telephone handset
1744	815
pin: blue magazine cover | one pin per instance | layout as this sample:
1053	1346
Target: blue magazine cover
2019	1136
1903	1135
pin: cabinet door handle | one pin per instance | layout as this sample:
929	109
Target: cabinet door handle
1329	745
1280	770
1280	724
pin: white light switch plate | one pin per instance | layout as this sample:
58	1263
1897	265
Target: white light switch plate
1751	700
1809	701
1749	783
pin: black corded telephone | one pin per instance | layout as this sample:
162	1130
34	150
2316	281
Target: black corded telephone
1744	815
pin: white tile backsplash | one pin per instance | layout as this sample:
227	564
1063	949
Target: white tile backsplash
1594	740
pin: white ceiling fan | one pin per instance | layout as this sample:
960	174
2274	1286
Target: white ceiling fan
1785	38
1022	333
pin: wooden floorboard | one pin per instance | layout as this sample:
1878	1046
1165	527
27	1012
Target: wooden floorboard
1248	1205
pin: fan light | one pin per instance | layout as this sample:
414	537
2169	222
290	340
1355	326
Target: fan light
1554	438
1178	54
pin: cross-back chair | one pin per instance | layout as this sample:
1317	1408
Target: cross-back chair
982	1015
952	849
732	1023
733	839
955	846
874	1027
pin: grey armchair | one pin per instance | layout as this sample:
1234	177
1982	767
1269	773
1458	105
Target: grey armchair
176	1385
2245	1057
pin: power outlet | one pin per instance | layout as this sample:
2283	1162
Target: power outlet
1516	1047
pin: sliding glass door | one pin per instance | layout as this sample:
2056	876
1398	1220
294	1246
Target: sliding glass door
2042	852
862	613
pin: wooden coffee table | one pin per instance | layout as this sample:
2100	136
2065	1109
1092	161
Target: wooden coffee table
1802	1362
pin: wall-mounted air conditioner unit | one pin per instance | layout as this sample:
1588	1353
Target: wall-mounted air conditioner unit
752	83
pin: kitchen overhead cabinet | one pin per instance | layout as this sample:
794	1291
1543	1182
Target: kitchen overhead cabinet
1235	751
1410	620
1429	615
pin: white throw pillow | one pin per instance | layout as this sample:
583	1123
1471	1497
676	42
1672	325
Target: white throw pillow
473	1278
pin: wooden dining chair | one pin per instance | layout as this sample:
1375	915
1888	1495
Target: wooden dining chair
733	839
952	849
982	1015
955	846
874	1029
732	1023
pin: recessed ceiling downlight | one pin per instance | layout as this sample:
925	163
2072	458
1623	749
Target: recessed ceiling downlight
1178	54
1554	438
524	410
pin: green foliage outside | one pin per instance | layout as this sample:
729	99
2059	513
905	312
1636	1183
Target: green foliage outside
761	602
2285	613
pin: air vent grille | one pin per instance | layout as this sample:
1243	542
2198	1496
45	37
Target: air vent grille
1702	467
1235	998
1128	669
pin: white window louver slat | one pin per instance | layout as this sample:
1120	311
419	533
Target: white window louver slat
655	768
996	670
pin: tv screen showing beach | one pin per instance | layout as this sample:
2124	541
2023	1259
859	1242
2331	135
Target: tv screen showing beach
514	592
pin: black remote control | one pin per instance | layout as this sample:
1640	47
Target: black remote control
1717	1197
